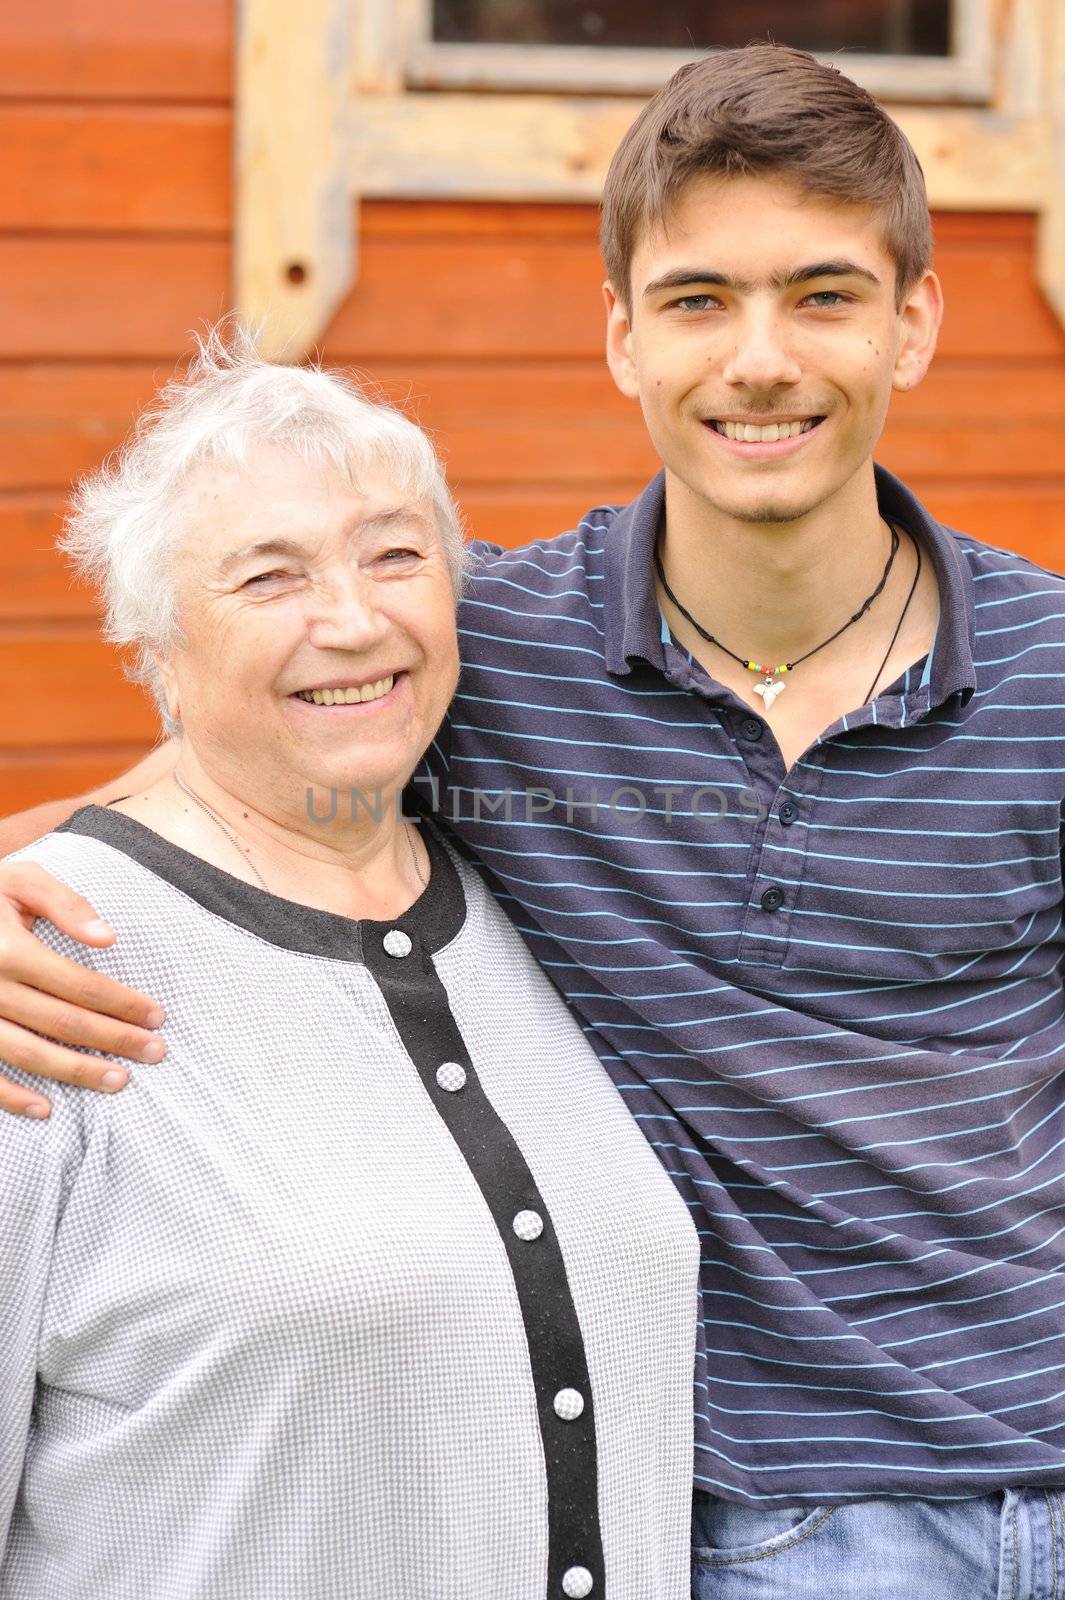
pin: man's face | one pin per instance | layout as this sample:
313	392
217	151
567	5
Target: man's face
762	307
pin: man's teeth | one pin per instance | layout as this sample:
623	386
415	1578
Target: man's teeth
347	697
747	433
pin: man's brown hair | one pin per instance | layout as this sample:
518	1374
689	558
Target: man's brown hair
765	109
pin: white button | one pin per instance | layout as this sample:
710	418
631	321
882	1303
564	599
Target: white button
569	1403
577	1582
451	1076
528	1225
397	943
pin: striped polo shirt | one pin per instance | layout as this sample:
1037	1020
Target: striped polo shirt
830	996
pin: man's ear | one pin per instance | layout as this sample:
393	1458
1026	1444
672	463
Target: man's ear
619	343
919	323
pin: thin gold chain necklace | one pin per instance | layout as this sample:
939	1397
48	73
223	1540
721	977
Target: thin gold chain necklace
245	854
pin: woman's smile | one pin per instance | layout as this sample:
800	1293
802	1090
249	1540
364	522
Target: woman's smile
363	694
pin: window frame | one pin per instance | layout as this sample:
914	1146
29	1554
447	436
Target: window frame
964	76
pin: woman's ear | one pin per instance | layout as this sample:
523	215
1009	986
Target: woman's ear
167	678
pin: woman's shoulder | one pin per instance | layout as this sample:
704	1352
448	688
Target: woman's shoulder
151	916
84	862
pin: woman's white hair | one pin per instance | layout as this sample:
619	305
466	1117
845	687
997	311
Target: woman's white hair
125	521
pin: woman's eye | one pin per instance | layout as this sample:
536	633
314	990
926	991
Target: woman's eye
257	579
399	553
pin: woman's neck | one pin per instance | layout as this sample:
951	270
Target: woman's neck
354	861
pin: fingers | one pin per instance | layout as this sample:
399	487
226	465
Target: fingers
25	961
43	1058
36	891
70	1024
48	1002
19	1102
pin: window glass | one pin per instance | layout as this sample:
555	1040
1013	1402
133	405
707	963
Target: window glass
889	27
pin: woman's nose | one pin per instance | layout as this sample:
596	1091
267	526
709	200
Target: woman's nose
343	614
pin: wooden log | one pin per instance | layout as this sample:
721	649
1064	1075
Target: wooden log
117	49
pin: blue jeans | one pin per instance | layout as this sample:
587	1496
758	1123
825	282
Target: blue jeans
1004	1546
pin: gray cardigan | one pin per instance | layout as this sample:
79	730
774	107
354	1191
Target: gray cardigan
372	1289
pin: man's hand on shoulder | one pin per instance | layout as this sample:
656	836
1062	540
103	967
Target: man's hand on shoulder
26	826
49	1004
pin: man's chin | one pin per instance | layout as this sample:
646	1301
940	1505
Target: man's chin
756	504
768	512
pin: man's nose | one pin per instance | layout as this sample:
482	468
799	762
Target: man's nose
762	356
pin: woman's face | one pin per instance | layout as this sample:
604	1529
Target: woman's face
296	589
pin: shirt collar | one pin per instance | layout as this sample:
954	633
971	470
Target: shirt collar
632	618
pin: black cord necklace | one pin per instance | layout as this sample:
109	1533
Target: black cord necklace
898	625
773	677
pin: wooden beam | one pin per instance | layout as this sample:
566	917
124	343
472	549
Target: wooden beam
599	69
503	147
294	247
1050	244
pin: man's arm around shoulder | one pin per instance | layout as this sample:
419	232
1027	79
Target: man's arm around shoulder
47	1002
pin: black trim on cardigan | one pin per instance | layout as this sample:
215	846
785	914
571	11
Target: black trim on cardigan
419	1006
434	919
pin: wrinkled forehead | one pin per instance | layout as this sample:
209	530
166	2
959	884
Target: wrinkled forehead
276	493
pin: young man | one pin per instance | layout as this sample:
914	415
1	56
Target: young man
769	767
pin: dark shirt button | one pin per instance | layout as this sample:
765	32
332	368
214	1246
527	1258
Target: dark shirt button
772	899
751	728
787	813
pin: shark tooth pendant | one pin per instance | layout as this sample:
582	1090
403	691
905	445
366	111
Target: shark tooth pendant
769	691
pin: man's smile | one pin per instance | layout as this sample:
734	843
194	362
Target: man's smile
752	441
757	433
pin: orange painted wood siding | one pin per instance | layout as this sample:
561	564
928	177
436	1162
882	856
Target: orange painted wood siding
483	320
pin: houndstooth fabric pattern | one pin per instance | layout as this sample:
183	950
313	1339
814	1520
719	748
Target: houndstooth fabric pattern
258	1335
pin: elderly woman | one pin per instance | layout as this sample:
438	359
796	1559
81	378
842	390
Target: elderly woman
374	1288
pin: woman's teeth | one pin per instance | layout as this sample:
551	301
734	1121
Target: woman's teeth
747	433
347	697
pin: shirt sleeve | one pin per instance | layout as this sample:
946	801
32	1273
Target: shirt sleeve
37	1162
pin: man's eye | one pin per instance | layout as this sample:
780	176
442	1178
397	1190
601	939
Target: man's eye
399	553
694	302
826	299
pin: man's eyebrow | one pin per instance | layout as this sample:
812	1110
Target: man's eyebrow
824	269
690	277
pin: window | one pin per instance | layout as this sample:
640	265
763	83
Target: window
906	49
886	27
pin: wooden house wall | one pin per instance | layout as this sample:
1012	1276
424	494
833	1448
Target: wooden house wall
484	320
